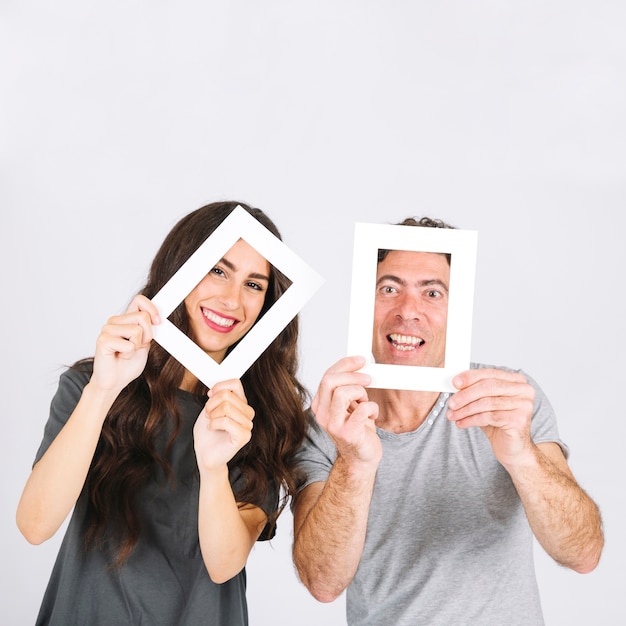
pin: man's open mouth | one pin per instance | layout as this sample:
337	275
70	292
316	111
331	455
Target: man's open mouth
405	342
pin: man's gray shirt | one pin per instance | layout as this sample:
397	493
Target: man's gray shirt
447	542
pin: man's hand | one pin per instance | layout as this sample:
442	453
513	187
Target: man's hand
342	408
501	403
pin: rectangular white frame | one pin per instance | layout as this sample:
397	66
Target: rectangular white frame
462	245
238	225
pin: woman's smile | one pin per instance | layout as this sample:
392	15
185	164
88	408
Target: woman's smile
218	322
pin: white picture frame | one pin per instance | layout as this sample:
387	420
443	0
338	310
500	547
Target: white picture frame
462	245
304	283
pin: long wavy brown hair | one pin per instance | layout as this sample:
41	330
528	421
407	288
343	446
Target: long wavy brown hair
126	458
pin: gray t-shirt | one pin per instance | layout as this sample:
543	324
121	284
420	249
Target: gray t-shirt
447	542
164	581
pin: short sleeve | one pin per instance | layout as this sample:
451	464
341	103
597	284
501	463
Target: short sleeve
316	456
71	385
269	505
544	426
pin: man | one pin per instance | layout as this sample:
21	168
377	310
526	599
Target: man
423	505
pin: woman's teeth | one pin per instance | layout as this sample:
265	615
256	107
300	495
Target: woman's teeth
217	319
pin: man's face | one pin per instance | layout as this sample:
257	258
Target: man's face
411	309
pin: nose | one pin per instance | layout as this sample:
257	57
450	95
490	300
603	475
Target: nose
409	307
229	296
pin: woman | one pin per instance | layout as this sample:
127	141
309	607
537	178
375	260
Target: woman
170	490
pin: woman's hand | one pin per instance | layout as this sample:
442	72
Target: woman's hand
227	529
123	344
223	427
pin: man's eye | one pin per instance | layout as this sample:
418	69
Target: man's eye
433	293
218	271
388	289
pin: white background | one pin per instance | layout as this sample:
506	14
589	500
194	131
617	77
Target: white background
507	118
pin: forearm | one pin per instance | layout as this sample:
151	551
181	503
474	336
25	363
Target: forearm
329	538
58	477
227	532
564	519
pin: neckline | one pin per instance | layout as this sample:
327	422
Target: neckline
432	418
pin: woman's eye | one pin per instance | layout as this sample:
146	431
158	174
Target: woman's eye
217	271
255	286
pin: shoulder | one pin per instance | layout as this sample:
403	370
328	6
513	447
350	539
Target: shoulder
77	375
544	424
316	455
477	366
531	381
518	370
317	437
71	384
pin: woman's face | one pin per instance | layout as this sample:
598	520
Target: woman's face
227	301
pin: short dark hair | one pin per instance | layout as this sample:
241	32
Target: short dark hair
427	222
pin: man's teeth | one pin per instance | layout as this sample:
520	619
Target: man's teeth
405	342
216	319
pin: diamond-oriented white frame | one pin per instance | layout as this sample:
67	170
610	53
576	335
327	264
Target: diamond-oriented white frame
462	245
304	283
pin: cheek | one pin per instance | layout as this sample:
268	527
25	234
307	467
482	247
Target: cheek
188	306
442	319
382	306
191	298
253	308
204	288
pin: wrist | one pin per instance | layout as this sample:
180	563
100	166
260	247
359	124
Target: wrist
526	460
100	398
214	474
357	468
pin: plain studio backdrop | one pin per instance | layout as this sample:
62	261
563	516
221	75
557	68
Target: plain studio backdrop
506	117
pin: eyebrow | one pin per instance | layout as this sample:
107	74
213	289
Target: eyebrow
233	268
429	282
